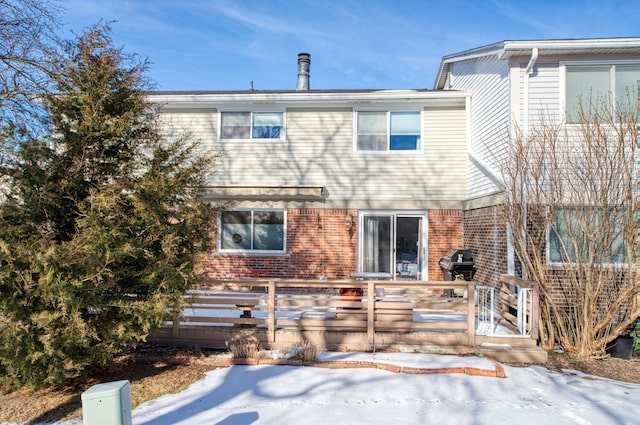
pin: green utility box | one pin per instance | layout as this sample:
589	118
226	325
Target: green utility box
107	404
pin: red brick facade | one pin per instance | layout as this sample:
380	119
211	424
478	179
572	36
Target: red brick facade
320	244
445	233
486	237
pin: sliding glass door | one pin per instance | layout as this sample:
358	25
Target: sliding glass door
393	243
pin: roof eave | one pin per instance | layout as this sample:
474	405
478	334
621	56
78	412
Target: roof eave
214	99
510	48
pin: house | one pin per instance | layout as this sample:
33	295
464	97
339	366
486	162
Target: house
514	83
329	183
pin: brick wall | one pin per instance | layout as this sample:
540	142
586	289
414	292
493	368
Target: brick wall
445	233
318	244
487	240
568	292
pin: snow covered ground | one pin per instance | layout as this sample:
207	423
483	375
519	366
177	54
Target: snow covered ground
242	395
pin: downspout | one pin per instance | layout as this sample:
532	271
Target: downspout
525	102
525	129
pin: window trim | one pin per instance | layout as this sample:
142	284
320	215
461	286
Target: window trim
563	79
389	111
251	111
221	250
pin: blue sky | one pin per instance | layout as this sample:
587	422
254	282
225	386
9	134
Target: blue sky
354	44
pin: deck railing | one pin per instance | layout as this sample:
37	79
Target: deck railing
356	313
518	305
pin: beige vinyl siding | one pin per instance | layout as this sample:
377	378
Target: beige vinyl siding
488	79
319	151
314	140
444	166
200	124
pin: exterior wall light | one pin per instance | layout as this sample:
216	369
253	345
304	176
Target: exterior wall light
348	222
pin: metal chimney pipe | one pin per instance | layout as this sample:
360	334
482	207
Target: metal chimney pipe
304	63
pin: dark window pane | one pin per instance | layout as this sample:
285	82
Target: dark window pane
268	230
404	143
236	230
266	132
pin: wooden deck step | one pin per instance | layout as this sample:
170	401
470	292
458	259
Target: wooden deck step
509	354
513	341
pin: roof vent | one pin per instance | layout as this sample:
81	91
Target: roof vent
304	62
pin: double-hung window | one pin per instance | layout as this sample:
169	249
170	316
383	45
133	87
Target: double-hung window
382	131
588	84
249	125
253	230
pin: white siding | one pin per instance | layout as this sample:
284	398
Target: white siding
487	78
544	92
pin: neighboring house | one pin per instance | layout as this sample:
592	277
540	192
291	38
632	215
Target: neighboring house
327	183
512	83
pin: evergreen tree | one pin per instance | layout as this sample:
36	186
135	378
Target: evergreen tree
103	221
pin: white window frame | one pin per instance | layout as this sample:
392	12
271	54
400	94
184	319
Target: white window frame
253	251
612	80
423	253
389	111
251	111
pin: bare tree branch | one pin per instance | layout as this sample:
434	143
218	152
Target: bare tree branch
27	33
571	202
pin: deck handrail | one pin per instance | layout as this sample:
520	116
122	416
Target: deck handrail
385	306
380	313
523	297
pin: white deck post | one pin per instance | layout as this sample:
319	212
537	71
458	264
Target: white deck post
471	314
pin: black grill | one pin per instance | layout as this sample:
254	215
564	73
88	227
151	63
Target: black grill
458	263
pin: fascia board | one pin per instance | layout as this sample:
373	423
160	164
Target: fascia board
548	47
592	43
506	49
307	99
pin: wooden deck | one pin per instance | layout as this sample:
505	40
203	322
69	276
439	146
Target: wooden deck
354	315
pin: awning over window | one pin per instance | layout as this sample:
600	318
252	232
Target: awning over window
288	193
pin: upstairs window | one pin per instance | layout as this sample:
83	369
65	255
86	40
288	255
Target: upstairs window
256	230
382	131
251	125
589	83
